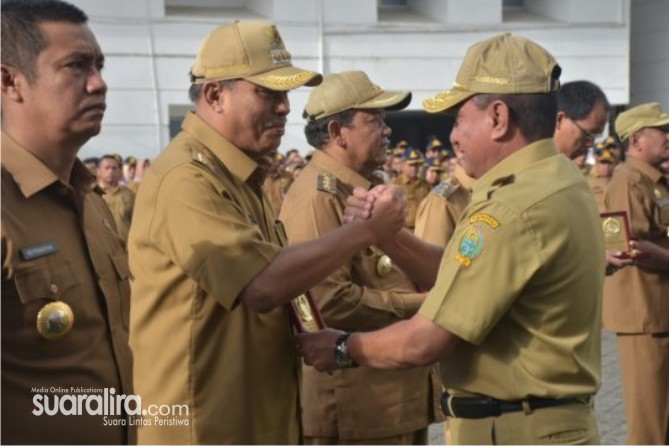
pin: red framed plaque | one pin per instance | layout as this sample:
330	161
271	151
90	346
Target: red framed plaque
305	315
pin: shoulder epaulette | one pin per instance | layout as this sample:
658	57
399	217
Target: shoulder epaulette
202	159
327	182
445	189
500	182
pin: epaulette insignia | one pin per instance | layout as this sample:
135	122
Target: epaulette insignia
445	189
202	159
327	183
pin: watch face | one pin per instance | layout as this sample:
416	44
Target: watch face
341	352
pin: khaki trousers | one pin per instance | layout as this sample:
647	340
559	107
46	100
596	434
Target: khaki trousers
417	437
568	424
644	360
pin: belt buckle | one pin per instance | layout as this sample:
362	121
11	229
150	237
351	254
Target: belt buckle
472	408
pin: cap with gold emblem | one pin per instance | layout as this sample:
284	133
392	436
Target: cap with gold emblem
435	165
639	117
351	90
505	64
55	320
250	50
412	156
605	156
435	144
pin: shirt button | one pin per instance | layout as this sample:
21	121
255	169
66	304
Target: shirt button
63	191
54	288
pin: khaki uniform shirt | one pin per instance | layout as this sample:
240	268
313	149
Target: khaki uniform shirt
522	281
121	201
59	245
415	190
276	185
636	299
440	211
360	403
202	231
598	186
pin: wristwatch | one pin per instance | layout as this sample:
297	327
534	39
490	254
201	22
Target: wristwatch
341	355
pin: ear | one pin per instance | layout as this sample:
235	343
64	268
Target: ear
335	133
500	118
12	82
212	95
560	120
635	142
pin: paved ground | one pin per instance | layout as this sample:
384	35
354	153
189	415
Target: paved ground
608	403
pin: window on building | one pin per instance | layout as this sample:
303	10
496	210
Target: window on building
401	12
393	4
511	4
210	8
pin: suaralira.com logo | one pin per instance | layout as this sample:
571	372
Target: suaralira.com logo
106	403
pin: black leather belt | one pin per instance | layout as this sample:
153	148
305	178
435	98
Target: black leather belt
484	407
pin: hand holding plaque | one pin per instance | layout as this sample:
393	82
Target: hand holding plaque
305	315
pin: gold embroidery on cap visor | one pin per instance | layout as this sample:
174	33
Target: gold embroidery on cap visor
446	100
284	82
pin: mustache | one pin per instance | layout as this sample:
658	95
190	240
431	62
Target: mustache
274	123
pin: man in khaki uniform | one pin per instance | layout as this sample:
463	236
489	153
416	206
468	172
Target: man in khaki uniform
636	298
433	172
440	211
65	290
415	189
516	308
600	176
119	198
583	112
345	123
209	324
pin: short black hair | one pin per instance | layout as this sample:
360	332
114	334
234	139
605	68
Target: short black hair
316	131
93	159
533	113
22	37
577	99
111	157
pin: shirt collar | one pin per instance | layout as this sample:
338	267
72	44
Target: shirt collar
651	172
32	175
326	162
513	163
236	161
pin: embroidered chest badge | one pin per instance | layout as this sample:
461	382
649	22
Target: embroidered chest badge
473	240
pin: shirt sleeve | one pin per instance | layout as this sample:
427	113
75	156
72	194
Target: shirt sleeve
209	235
345	301
624	194
435	222
482	272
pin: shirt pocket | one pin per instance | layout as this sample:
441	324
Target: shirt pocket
36	286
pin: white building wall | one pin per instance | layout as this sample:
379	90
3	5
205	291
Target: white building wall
149	52
650	52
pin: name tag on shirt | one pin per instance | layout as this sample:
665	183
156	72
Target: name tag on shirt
39	250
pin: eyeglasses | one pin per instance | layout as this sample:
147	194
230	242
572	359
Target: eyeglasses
586	134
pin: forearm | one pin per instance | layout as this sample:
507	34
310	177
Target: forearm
412	343
418	259
299	267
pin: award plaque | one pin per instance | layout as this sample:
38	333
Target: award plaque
305	315
616	232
